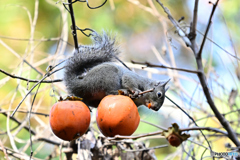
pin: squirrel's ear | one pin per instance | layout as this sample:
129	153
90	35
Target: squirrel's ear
162	83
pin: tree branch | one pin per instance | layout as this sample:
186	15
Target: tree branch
74	32
231	134
118	137
15	154
222	120
40	81
163	66
18	122
199	54
180	31
29	80
192	35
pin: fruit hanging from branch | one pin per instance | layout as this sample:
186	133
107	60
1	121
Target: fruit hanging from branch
117	115
69	119
174	136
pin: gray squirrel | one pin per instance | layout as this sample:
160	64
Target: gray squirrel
92	74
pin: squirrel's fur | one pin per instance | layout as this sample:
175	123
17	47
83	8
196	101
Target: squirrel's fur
91	74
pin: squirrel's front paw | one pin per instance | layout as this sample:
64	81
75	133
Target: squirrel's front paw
135	94
131	93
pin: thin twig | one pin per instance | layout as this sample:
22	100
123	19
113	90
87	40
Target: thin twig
180	31
205	128
40	81
234	56
14	153
19	123
22	111
18	56
163	66
191	119
118	137
4	150
29	80
231	40
157	126
47	140
27	39
29	122
147	149
199	54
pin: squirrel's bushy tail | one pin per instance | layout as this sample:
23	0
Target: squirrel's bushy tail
102	50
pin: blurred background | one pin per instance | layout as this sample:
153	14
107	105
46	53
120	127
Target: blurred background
36	34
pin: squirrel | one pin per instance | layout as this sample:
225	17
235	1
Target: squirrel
91	74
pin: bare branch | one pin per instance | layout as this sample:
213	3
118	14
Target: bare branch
40	81
163	66
17	121
205	128
222	120
4	150
74	31
195	16
27	39
29	80
15	154
118	137
157	126
47	140
203	81
22	111
18	56
180	31
192	34
234	56
200	72
147	149
199	54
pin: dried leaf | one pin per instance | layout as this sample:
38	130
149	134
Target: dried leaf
232	97
238	73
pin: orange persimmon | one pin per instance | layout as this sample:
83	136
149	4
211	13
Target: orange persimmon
69	119
117	115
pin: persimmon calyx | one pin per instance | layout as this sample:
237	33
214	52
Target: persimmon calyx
70	98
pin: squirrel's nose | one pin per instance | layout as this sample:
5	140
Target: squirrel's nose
155	106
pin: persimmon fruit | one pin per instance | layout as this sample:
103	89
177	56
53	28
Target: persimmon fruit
69	119
174	140
117	115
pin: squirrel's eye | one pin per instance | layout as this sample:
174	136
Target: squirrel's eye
159	94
